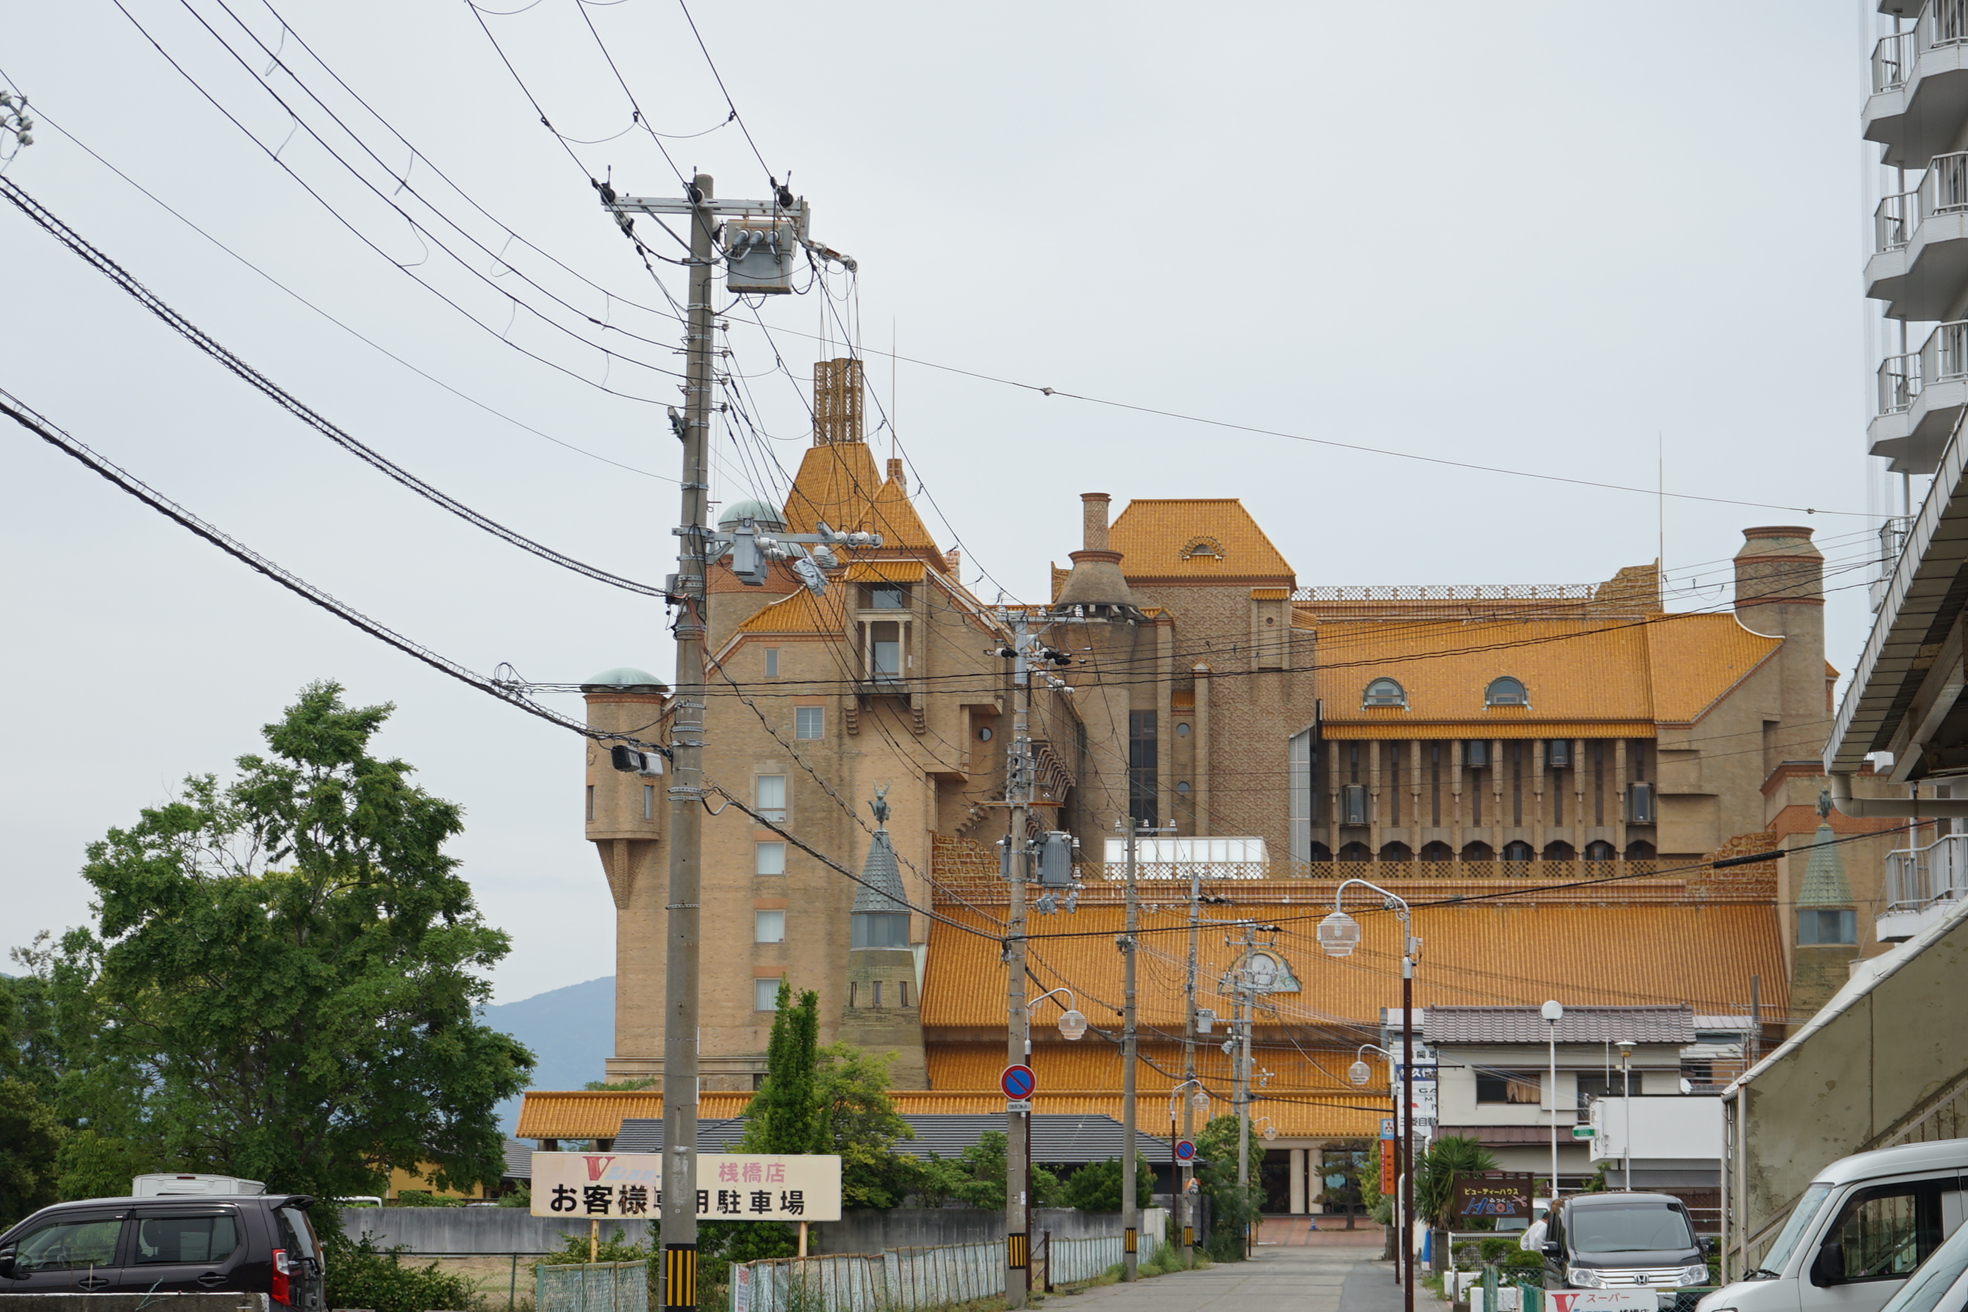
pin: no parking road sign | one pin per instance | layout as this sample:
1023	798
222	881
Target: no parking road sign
1185	1150
1018	1082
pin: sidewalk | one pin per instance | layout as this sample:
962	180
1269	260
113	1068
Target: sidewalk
1285	1278
1297	1232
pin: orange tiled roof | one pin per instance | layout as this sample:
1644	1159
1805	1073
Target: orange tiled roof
800	613
1161	540
838	482
1696	659
1586	678
582	1113
884	571
1509	953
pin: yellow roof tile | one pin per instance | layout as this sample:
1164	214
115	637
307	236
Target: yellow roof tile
800	613
1696	659
1194	540
1508	953
884	571
582	1113
838	482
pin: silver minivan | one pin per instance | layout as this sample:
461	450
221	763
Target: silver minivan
1857	1232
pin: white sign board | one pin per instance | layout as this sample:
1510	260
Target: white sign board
1603	1300
730	1186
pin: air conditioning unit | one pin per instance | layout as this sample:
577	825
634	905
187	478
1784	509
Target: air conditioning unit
1476	754
1353	804
1640	804
1558	754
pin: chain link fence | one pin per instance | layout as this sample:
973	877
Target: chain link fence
600	1287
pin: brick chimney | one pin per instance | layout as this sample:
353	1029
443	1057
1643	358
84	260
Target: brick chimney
1096	579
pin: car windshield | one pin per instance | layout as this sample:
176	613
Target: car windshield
1631	1228
1935	1277
1793	1231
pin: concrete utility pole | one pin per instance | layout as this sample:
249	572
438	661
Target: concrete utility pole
1130	1212
1186	1206
1243	1075
1018	1048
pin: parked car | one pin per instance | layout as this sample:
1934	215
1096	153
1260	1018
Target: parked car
154	1186
1856	1233
1622	1241
234	1243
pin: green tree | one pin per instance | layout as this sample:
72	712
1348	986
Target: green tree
1232	1210
282	979
859	1122
30	1136
976	1176
785	1115
1096	1187
1436	1170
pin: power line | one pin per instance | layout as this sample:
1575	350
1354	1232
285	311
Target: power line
721	87
34	210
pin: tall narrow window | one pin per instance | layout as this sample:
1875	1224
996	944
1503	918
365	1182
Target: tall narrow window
877	992
885	650
902	987
809	721
1302	803
1599	781
1143	762
591	801
1394	783
772	796
1516	783
771	662
1435	784
649	801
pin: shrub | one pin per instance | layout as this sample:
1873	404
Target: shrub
362	1275
1494	1251
1523	1261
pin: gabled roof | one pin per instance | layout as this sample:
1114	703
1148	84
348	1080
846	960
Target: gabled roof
582	1113
838	482
1674	1025
801	613
1695	660
1194	540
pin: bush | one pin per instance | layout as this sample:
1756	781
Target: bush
1495	1250
1523	1261
573	1250
362	1275
425	1198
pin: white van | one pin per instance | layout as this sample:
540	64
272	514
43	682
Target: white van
164	1185
1857	1233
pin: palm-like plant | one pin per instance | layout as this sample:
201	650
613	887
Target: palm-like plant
1437	1171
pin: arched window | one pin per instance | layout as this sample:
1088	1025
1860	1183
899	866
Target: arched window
1506	692
1318	852
1640	850
1437	852
1356	852
1558	851
1384	692
1396	852
1477	852
1517	851
1599	850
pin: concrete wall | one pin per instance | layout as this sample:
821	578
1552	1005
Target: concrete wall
909	1227
1884	1064
475	1229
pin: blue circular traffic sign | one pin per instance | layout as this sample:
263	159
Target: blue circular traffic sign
1185	1150
1018	1082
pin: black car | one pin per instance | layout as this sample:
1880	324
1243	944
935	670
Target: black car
231	1243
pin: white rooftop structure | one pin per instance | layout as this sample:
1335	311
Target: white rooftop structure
1189	858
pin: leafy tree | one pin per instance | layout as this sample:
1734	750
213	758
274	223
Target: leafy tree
30	1138
1096	1187
861	1124
282	980
785	1114
1436	1170
1233	1210
976	1176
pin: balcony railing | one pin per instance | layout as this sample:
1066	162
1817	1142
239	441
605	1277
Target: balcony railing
1892	61
1942	358
1944	24
1944	190
1919	877
1894	221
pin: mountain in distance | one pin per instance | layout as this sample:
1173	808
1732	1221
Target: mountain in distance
570	1031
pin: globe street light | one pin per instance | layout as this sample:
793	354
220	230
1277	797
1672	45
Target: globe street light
1359	1072
1553	1012
1339	934
1072	1022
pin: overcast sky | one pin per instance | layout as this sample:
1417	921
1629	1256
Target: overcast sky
1544	237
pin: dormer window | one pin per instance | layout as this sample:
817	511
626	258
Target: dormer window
884	596
1506	692
1384	692
1201	547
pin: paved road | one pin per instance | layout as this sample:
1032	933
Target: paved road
1279	1279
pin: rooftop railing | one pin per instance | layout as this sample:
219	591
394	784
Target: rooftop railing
1918	877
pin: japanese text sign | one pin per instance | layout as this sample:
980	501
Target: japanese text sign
1498	1193
1603	1300
730	1186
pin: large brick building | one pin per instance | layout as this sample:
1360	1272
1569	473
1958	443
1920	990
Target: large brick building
1470	747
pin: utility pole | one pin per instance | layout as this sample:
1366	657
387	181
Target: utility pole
1018	1049
1243	1077
688	591
1186	1205
685	909
1130	1212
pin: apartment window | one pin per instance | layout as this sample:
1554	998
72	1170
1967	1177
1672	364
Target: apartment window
590	801
769	858
649	801
1384	692
885	650
772	796
1816	925
1506	692
765	995
1640	804
768	927
1507	1087
809	721
1143	760
1353	804
771	662
884	596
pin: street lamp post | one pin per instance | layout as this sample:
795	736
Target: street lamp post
1185	1206
1626	1100
1359	1072
1073	1028
1553	1013
1339	934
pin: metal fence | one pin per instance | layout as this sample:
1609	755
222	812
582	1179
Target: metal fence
596	1287
905	1279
